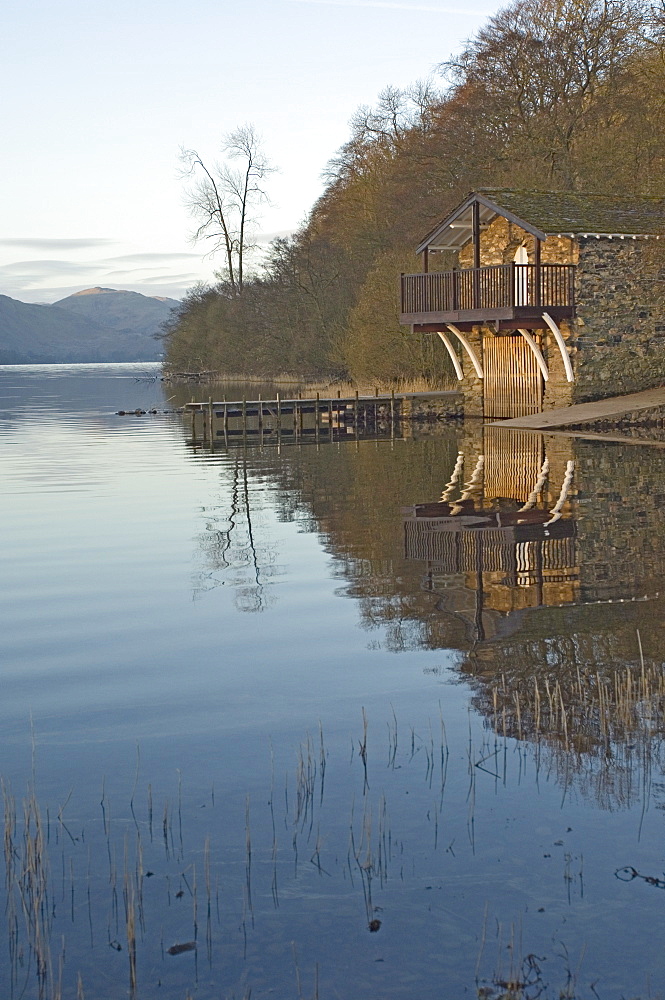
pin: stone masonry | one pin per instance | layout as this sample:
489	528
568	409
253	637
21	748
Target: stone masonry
616	341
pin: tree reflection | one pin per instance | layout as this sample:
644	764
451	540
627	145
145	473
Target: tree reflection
232	547
538	560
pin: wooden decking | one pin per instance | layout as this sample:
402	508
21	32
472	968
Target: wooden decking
506	293
315	418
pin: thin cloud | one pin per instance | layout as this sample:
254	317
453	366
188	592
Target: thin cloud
159	258
33	269
46	244
187	279
389	5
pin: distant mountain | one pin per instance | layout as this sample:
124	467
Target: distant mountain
31	334
97	324
127	312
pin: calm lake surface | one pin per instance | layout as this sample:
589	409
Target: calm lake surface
364	719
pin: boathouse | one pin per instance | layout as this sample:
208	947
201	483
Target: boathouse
544	299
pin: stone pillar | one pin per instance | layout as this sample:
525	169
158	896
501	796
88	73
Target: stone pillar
471	386
557	390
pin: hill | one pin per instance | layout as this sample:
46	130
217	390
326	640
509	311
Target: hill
31	334
94	325
130	313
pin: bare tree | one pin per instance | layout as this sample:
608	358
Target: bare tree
545	69
222	199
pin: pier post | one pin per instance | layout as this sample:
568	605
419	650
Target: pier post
193	423
244	417
279	412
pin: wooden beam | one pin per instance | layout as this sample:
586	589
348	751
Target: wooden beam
476	234
476	253
537	271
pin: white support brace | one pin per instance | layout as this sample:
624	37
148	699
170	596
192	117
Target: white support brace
454	479
537	353
471	489
453	357
561	345
468	348
537	489
565	486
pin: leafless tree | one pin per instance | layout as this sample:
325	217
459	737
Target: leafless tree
539	68
222	198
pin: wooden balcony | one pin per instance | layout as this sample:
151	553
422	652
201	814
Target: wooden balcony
506	295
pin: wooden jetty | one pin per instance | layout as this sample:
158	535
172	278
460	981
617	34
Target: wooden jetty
314	418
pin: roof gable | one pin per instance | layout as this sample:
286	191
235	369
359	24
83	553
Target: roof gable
547	213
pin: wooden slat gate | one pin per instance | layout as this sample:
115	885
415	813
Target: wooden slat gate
513	385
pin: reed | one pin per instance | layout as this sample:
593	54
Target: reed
597	724
130	923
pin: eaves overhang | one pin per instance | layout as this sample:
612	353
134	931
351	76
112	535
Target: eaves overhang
457	229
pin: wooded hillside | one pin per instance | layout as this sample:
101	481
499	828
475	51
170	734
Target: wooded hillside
549	95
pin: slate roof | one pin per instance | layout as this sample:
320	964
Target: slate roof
548	213
570	212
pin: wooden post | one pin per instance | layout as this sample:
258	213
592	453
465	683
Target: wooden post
355	411
476	254
426	260
210	421
279	412
260	413
392	413
537	295
300	420
316	415
244	417
226	423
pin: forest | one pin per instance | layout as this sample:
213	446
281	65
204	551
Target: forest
548	95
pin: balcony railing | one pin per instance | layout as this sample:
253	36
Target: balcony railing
504	286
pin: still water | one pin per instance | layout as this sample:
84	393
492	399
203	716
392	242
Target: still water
363	719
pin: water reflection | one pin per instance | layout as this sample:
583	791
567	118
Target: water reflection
234	545
535	529
539	559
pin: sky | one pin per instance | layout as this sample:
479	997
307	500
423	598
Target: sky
98	98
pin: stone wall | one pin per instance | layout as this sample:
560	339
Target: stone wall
423	408
618	341
501	239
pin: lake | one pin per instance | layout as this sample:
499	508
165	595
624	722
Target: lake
368	718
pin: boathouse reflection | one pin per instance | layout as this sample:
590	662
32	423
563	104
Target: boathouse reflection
503	540
529	561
